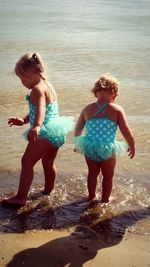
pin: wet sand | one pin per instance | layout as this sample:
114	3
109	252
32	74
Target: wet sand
74	248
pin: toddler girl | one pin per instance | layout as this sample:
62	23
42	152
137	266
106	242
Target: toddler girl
47	129
99	144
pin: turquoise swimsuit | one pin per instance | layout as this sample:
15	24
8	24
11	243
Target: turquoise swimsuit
99	143
54	127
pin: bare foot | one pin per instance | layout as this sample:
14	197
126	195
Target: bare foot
110	200
93	199
46	191
13	202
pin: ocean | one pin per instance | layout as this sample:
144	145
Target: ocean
79	41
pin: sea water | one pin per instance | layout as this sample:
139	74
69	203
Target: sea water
79	41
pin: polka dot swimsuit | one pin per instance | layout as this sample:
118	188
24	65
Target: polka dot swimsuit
52	114
101	129
51	111
99	143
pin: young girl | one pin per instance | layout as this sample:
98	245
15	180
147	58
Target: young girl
99	144
47	129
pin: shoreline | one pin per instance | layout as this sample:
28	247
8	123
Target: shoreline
72	248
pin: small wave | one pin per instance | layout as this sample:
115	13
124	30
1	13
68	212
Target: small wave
67	207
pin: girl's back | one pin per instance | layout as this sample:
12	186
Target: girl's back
111	111
101	122
44	90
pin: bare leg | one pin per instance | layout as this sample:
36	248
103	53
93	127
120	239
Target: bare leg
93	172
33	153
49	169
107	168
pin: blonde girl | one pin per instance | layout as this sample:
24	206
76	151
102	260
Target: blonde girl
47	129
99	144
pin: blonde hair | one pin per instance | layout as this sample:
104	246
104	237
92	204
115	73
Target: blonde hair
33	62
30	62
106	83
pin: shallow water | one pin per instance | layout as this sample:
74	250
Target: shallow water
79	41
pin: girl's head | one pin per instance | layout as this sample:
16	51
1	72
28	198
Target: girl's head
30	69
30	63
107	84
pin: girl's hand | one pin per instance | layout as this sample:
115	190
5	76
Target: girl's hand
131	151
15	121
33	134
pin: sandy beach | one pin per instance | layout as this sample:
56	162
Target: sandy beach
72	248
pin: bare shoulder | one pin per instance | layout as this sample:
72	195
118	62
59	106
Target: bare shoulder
38	90
37	95
89	110
89	107
117	107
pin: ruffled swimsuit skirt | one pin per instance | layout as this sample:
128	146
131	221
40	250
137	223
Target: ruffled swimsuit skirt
99	143
54	127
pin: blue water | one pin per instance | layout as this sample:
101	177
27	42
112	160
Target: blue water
79	39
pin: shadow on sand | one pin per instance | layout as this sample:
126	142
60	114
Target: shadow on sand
83	244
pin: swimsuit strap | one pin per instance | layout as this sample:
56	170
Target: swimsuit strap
100	109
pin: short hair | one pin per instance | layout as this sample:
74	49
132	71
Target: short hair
106	83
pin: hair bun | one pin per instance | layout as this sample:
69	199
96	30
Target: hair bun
34	55
35	58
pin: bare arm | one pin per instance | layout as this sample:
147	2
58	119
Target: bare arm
40	110
126	132
40	103
18	121
26	119
79	125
